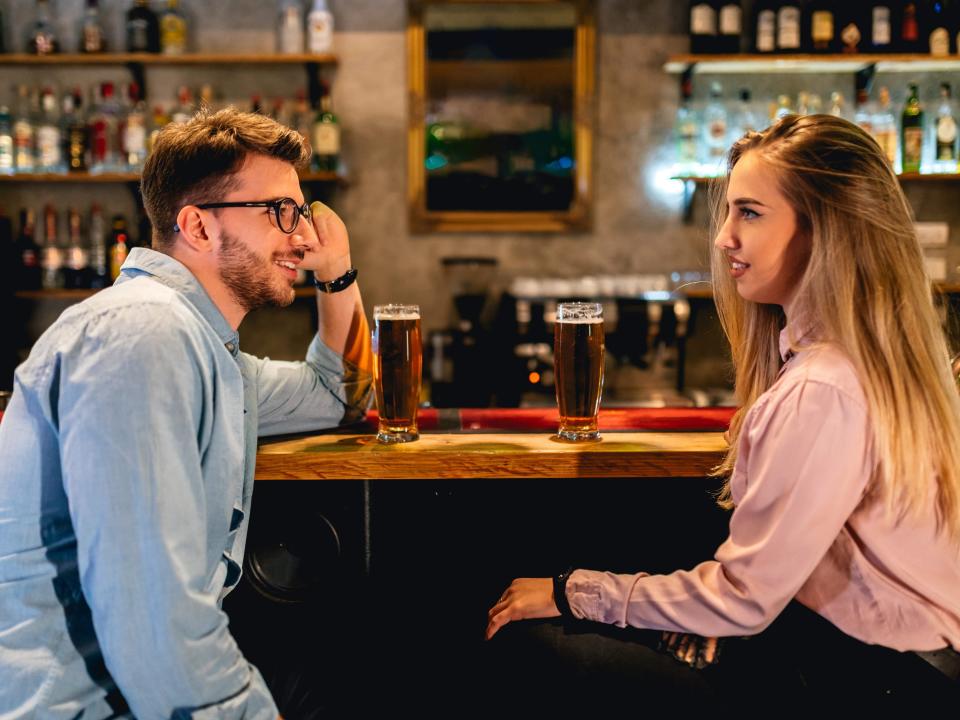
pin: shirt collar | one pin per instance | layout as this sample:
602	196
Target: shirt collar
175	275
796	335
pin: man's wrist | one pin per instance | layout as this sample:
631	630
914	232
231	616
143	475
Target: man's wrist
338	283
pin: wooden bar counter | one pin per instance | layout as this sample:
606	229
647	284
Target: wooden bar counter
476	444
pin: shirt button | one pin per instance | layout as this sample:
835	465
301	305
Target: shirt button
231	346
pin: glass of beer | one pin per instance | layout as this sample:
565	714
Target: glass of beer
397	364
578	367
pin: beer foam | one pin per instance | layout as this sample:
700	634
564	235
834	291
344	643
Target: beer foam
580	321
396	316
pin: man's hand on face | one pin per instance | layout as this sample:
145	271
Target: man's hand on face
332	258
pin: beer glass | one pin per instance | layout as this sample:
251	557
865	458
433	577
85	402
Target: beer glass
397	365
578	367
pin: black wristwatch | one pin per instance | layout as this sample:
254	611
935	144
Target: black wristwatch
341	283
560	593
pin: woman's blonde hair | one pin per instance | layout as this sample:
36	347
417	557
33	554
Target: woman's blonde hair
866	292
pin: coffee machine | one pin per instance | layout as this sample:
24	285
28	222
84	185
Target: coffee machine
458	356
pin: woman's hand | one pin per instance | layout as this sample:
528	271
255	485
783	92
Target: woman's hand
693	650
525	599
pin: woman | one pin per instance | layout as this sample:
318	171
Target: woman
843	555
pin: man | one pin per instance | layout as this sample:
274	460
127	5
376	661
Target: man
129	445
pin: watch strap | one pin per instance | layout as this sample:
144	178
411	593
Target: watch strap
560	593
340	283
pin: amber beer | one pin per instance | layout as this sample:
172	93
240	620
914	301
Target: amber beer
397	365
578	367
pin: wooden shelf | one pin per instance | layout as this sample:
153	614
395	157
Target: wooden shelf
754	64
157	59
131	177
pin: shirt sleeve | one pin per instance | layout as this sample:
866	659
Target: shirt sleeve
324	391
807	463
130	410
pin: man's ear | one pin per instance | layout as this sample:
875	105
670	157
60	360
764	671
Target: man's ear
195	228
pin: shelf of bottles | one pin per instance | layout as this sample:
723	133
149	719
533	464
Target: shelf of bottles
155	59
776	64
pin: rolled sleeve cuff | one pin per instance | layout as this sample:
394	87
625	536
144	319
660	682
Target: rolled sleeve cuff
590	594
254	702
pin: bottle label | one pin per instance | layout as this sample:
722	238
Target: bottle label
703	20
788	32
137	36
731	20
173	35
52	258
326	139
940	42
881	25
134	138
29	258
319	32
92	39
766	35
912	147
946	130
48	146
887	140
6	152
822	25
850	37
77	258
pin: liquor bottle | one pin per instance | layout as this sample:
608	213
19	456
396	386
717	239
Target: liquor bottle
715	125
184	111
160	119
885	128
908	37
765	26
49	146
938	28
7	166
783	107
256	105
51	254
76	135
703	27
301	119
77	265
789	24
99	259
881	21
26	249
837	108
320	28
41	38
207	100
118	246
133	142
290	28
945	132
745	119
104	132
912	132
92	35
143	28
852	28
24	158
823	27
325	136
863	113
729	27
173	29
686	131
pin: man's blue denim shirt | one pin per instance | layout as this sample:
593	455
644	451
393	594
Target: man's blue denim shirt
128	453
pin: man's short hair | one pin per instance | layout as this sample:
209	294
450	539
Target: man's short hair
196	161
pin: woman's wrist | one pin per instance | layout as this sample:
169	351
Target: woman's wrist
560	593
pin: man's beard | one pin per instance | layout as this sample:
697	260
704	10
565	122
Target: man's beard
250	278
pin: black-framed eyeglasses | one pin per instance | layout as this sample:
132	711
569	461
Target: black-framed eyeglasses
287	211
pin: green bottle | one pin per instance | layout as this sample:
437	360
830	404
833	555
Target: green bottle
326	137
912	133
